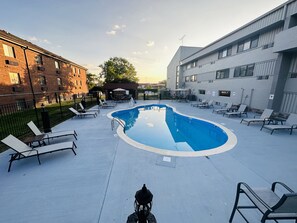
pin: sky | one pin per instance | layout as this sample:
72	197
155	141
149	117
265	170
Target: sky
145	32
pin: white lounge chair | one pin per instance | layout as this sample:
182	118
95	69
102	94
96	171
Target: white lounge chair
89	110
51	135
239	112
264	117
24	151
291	123
223	110
82	114
106	104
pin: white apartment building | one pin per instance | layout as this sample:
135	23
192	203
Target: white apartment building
255	64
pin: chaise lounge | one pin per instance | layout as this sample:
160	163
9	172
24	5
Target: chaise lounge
89	110
264	117
24	151
106	104
223	110
51	135
239	112
291	123
82	114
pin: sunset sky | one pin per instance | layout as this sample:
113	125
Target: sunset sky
145	32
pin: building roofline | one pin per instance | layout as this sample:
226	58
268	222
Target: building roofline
241	27
8	37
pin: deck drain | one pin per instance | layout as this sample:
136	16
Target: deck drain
166	161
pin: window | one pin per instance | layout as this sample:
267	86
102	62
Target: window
80	83
248	44
224	93
14	78
243	71
8	51
201	91
21	104
59	81
78	71
193	78
225	52
42	80
74	70
38	59
187	79
57	65
189	66
221	74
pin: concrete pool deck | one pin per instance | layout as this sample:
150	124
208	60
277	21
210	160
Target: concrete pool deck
99	183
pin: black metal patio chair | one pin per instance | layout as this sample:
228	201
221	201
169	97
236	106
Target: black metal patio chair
268	202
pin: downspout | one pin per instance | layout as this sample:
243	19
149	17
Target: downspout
31	85
242	90
251	97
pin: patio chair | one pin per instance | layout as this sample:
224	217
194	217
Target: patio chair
268	202
206	105
106	104
239	112
291	123
264	117
83	114
203	102
51	135
223	110
89	110
24	151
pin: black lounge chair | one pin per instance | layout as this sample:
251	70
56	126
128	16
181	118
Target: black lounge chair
24	151
241	110
268	202
263	118
291	123
223	110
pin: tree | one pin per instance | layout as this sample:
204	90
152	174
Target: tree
118	70
93	80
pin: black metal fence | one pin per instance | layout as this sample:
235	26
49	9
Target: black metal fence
14	117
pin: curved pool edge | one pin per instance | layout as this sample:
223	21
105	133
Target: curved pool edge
230	144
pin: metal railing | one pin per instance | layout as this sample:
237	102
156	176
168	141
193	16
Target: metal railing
119	121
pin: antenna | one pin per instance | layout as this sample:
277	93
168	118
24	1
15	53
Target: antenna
182	39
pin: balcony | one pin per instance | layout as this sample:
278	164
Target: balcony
286	40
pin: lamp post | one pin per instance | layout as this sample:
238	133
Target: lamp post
142	207
31	85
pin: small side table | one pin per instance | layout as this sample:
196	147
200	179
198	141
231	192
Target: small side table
31	139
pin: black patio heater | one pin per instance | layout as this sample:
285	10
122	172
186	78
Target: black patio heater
45	120
142	207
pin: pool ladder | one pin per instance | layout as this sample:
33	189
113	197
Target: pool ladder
119	121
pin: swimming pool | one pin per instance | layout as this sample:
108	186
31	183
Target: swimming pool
159	128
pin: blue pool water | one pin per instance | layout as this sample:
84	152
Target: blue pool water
160	127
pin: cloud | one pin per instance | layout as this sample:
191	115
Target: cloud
112	32
150	43
115	29
35	39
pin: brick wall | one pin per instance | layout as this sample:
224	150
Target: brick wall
72	83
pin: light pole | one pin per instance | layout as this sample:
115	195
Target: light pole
31	85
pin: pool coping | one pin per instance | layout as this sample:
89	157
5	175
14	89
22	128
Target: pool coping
230	144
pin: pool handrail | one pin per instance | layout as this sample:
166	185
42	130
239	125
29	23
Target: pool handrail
119	121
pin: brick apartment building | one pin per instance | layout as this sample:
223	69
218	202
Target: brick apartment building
30	72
